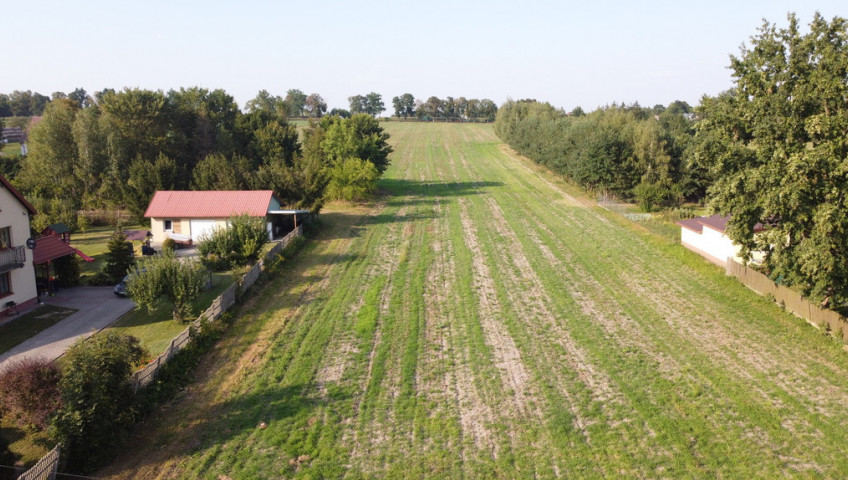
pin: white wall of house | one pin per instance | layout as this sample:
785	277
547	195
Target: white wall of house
21	280
193	227
711	244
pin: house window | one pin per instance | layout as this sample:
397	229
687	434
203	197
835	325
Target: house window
5	238
5	284
169	225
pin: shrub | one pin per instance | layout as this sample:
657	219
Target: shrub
68	270
119	258
352	180
169	245
29	392
179	281
97	398
238	244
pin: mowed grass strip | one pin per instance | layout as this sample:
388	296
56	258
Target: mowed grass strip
482	322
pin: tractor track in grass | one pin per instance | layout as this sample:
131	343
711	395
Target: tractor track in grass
483	321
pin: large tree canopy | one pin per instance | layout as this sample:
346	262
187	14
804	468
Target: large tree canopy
779	152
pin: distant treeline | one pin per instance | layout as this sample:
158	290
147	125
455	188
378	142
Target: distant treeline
647	154
114	150
448	109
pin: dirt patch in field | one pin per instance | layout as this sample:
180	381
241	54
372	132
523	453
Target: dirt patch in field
515	376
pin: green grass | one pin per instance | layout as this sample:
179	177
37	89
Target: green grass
95	243
16	330
484	321
156	329
11	150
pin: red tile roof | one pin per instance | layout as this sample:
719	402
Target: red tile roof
209	204
50	248
17	195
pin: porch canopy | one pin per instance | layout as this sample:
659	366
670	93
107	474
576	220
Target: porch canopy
50	248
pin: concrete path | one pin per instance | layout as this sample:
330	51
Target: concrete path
97	308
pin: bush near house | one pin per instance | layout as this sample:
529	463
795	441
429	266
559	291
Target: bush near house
238	244
97	410
29	392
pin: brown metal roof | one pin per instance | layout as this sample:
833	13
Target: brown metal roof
716	222
18	195
209	204
50	248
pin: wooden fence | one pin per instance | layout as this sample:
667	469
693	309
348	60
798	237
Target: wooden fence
221	304
45	468
791	300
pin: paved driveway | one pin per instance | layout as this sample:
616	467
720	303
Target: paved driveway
97	308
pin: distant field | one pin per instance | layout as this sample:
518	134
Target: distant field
11	149
483	322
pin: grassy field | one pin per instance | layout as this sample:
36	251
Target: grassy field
483	321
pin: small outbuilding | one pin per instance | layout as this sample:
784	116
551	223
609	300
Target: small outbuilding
707	237
189	216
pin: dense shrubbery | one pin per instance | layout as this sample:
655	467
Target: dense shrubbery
238	244
97	398
67	270
177	280
352	179
627	151
29	392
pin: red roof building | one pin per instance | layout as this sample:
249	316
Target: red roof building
188	216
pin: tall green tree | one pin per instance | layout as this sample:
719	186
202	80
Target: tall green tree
295	103
48	170
358	104
781	153
374	104
404	105
360	137
315	106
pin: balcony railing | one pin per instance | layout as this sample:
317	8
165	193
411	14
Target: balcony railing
12	258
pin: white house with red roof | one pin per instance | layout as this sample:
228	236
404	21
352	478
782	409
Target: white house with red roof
707	237
17	275
188	216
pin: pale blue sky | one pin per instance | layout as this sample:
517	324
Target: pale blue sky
587	53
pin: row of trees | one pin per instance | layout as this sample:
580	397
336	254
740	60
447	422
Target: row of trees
123	146
294	104
778	152
450	108
625	150
25	103
770	151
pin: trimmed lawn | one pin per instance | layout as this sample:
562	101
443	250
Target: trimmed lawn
156	330
95	243
30	324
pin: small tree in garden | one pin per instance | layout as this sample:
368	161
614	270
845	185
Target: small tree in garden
29	392
119	258
237	244
97	398
179	281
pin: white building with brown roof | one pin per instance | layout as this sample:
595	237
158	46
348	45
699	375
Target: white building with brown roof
188	216
707	237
